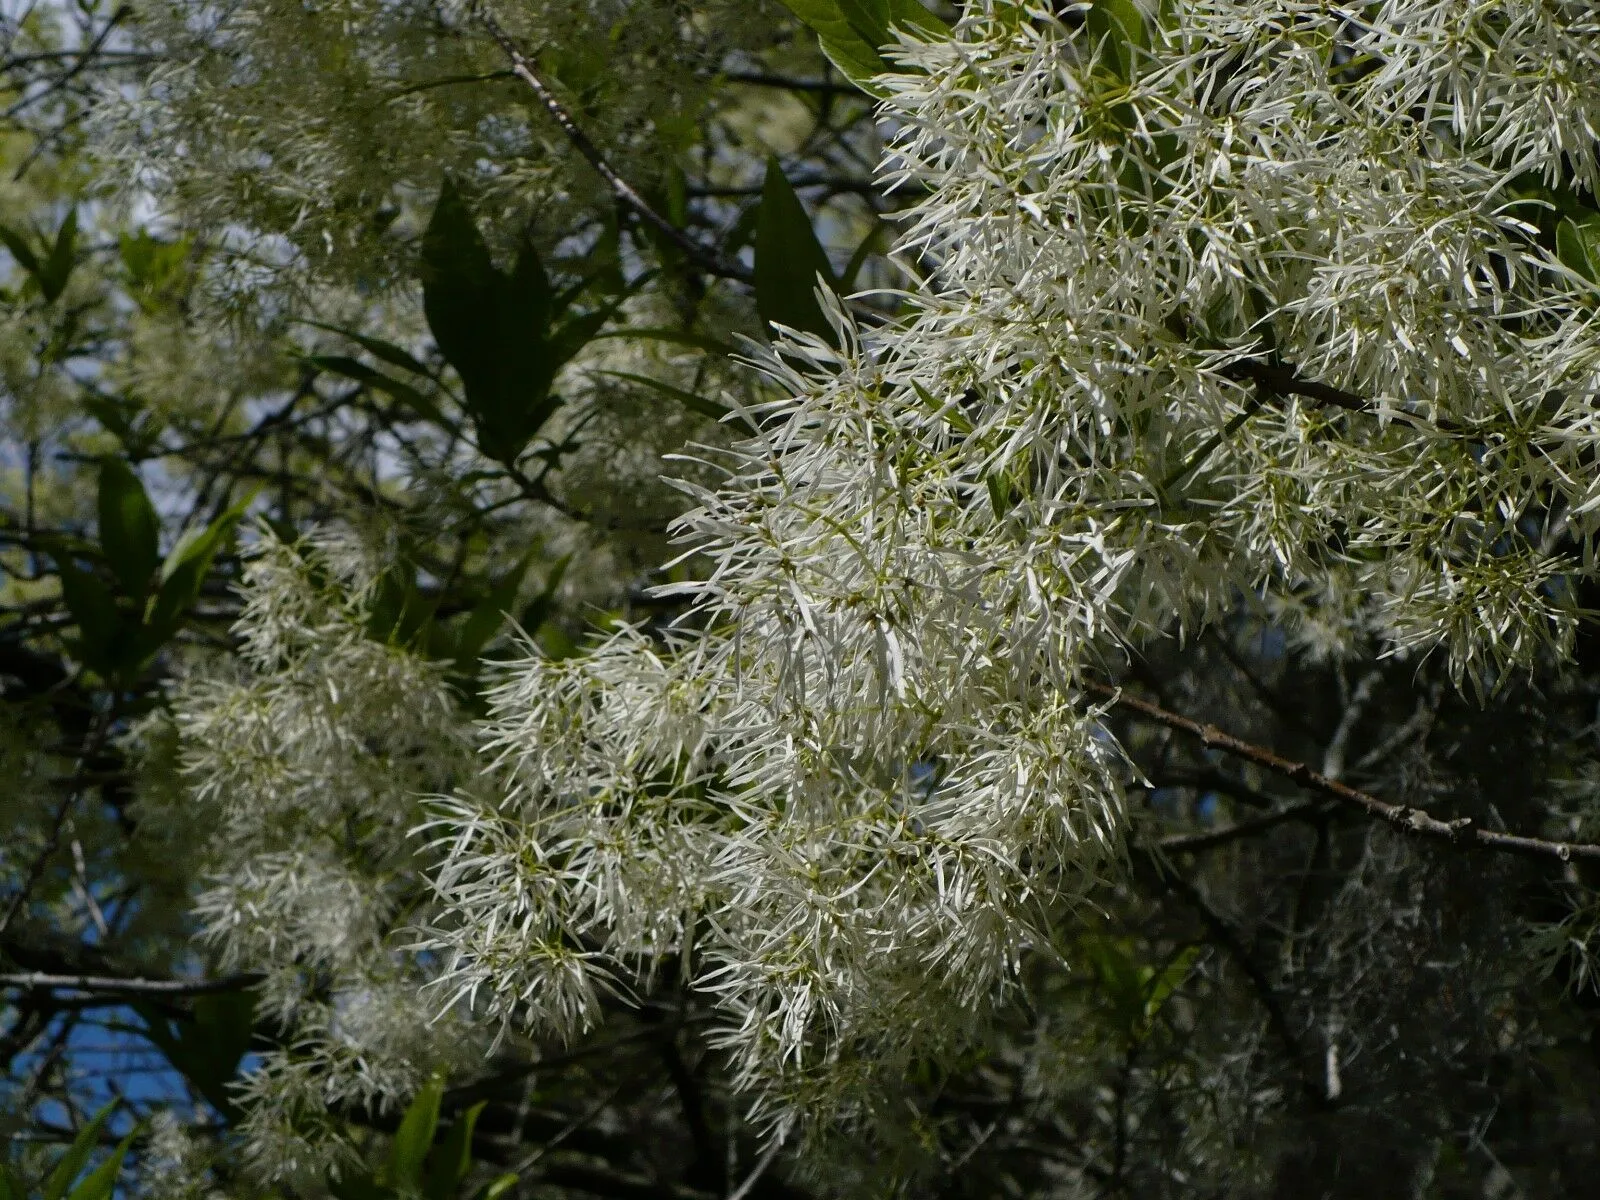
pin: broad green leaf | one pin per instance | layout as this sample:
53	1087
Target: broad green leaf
353	1185
12	1185
354	368
1578	245
207	1045
99	1183
72	1160
788	260
414	1138
1169	979
538	609
856	58
380	349
452	1157
492	327
851	32
184	571
868	19
56	269
497	1187
677	337
130	532
486	618
703	405
94	611
154	266
17	243
912	14
1117	28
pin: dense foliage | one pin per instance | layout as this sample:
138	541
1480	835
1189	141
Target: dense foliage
844	597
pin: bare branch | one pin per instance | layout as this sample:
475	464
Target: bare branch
1403	817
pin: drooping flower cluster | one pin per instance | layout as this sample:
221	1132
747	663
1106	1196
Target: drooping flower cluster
1223	302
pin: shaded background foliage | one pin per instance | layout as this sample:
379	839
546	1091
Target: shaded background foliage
274	267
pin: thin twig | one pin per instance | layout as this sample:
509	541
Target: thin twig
115	985
1403	817
620	187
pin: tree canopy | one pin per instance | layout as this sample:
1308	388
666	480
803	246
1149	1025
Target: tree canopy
836	597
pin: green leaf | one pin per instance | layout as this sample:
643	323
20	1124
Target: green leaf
357	1186
1578	246
1117	28
207	1045
852	31
911	14
17	243
414	1137
12	1185
184	571
94	611
492	327
154	267
383	351
497	1187
856	57
788	260
1163	983
538	609
452	1157
678	337
868	19
99	1183
485	619
130	532
400	610
76	1155
354	368
54	272
703	405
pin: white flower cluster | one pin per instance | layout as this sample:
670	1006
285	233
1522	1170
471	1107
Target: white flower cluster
307	772
1223	302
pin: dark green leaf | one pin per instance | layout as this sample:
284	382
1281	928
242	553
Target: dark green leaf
538	610
1117	28
382	350
12	1185
184	571
17	243
452	1157
679	337
414	1137
130	532
703	405
497	1187
99	1183
154	266
868	20
353	1185
94	612
788	260
484	621
856	57
1163	983
54	272
493	328
72	1160
1578	246
354	368
207	1045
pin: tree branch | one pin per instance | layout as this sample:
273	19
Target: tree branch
1403	817
117	986
708	259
